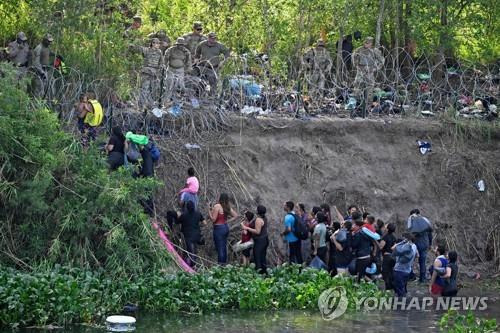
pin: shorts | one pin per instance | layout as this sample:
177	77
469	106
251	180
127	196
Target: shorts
247	252
436	289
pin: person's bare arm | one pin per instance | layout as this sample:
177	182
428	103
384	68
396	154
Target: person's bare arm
214	211
259	223
448	273
339	215
234	215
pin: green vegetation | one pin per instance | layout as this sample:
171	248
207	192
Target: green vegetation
69	295
59	204
454	322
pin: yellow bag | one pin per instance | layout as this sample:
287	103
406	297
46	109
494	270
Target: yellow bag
94	119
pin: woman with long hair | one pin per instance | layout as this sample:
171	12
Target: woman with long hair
258	230
221	214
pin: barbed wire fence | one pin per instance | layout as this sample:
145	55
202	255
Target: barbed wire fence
190	129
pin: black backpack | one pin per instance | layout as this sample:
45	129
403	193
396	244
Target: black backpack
299	228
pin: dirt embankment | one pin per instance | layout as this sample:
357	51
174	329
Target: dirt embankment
374	164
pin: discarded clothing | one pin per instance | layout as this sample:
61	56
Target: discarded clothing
424	146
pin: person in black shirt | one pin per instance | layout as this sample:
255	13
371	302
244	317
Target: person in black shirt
361	246
385	245
146	170
332	249
190	228
343	253
116	148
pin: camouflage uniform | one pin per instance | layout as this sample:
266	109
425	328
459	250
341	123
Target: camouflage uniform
41	66
177	62
192	39
367	61
150	74
208	55
18	53
317	63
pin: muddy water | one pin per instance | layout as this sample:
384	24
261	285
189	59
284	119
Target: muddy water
290	321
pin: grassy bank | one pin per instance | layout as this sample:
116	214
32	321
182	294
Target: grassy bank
67	295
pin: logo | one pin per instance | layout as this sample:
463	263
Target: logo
332	303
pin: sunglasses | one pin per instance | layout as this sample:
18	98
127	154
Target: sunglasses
199	29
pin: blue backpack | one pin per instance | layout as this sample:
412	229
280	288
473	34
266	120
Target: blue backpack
155	151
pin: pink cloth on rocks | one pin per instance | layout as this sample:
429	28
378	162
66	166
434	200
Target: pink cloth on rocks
192	185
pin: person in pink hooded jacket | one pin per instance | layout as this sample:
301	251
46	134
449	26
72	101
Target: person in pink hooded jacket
190	192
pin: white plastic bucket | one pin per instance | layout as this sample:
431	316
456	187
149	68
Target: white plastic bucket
120	324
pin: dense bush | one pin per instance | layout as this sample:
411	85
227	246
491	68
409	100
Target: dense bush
59	203
67	295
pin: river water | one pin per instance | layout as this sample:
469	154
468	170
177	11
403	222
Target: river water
290	321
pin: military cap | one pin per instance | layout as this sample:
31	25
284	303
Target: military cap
320	42
197	25
212	35
369	40
180	41
48	37
22	36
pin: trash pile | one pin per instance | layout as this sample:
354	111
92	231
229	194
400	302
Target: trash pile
480	108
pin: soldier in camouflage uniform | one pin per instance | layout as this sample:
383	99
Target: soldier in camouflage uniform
41	66
194	38
208	58
133	31
367	61
150	73
177	62
18	53
163	37
317	64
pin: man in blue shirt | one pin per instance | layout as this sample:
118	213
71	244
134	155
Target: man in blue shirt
292	240
404	253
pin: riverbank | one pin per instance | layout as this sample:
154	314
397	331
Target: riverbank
68	295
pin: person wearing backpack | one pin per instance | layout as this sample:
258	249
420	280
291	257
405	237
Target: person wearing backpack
404	254
294	243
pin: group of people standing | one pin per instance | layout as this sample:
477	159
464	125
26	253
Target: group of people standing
192	53
38	62
367	248
317	64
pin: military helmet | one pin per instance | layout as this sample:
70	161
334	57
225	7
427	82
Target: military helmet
49	38
21	36
369	39
212	35
155	40
320	42
137	18
180	41
197	25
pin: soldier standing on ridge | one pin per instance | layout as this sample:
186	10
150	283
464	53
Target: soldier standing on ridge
317	64
177	62
194	38
367	61
18	52
208	55
150	73
41	66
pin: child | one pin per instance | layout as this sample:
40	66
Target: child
246	237
190	192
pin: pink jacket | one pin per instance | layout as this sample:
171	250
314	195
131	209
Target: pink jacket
192	185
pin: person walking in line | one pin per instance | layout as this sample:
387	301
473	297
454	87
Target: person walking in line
258	230
294	243
221	214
